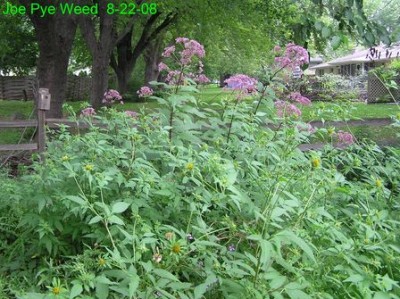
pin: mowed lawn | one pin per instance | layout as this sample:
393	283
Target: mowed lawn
317	111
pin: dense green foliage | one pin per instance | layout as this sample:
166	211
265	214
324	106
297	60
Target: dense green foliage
167	205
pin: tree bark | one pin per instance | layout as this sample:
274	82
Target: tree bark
127	54
124	64
152	58
100	47
55	35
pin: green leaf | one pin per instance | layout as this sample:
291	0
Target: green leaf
133	285
267	251
381	295
76	290
297	294
355	278
326	32
116	220
77	199
95	219
318	26
291	237
336	41
119	207
165	274
200	290
102	291
34	296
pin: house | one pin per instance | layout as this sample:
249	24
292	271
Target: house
314	61
359	62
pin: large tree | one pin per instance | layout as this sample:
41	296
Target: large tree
18	47
55	35
128	50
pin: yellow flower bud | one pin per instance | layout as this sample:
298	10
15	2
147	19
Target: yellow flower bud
190	166
88	167
316	162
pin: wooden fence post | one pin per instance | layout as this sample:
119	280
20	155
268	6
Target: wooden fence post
43	105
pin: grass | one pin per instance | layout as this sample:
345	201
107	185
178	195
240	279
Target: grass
318	110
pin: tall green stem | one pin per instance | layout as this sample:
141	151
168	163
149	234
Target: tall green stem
230	124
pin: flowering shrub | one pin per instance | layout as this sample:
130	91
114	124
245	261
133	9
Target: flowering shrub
297	97
164	205
285	109
183	60
110	96
344	138
145	92
293	57
89	111
242	83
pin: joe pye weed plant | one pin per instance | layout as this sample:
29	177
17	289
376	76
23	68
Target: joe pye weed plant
192	202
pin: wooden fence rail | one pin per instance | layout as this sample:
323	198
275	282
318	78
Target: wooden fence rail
43	105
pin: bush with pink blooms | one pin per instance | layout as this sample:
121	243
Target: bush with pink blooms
111	96
203	201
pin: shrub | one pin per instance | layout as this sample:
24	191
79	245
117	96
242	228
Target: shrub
204	203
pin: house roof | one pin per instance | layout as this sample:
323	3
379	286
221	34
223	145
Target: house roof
379	53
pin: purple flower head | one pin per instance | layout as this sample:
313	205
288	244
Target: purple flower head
162	66
293	57
285	109
145	92
231	248
190	237
130	113
181	40
344	138
174	77
168	51
110	96
242	83
88	112
202	79
297	97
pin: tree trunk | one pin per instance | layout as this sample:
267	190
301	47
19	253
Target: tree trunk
152	58
99	81
125	62
55	35
127	55
123	75
100	45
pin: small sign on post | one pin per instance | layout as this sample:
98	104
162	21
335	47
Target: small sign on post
44	99
43	105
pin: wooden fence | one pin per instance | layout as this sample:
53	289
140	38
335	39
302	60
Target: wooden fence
43	105
23	88
42	122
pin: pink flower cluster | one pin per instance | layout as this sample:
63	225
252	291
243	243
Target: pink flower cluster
191	48
297	97
88	112
110	96
162	66
145	92
242	83
202	79
286	109
344	138
168	51
175	77
294	56
130	113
